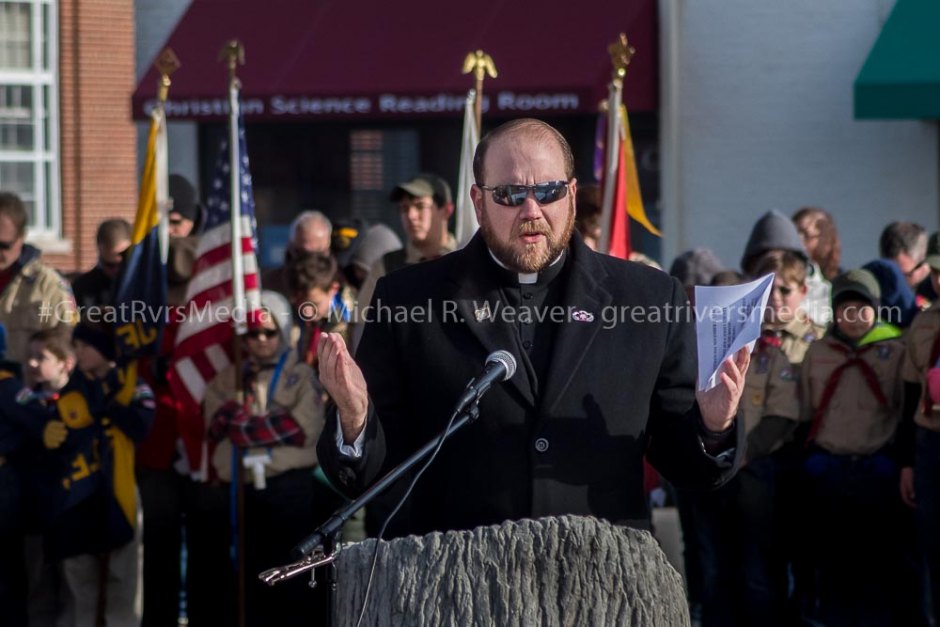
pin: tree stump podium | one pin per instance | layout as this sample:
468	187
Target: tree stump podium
564	571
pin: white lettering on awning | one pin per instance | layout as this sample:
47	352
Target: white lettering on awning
441	103
302	105
511	101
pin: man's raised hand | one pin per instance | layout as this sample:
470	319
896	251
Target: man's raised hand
343	379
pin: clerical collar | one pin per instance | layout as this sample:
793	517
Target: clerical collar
531	278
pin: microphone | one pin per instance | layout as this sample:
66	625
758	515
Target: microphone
500	366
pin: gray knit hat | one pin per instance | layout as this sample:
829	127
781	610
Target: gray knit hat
377	241
773	231
696	267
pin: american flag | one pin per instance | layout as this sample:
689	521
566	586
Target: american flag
204	339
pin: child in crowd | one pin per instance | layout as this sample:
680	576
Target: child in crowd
272	434
744	578
851	398
919	432
98	416
13	443
49	365
314	283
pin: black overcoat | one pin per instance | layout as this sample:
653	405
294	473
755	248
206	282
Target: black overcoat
620	385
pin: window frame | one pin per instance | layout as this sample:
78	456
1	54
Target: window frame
46	216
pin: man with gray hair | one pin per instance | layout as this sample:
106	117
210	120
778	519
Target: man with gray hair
901	268
905	243
310	232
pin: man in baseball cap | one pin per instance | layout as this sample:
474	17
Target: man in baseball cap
424	204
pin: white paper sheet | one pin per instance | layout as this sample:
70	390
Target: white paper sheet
726	319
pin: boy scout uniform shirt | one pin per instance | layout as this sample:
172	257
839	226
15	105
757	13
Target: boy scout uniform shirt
919	341
771	387
797	335
297	391
854	423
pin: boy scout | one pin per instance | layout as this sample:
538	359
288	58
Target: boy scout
745	572
851	398
919	433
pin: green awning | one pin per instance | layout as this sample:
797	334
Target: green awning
901	77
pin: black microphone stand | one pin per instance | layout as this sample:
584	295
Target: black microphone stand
321	548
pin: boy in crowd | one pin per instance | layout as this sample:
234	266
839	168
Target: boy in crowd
49	365
98	416
919	432
12	444
744	574
314	283
851	398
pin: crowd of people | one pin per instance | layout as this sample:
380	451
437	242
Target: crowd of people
831	518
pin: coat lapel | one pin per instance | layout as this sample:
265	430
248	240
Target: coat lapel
476	293
584	299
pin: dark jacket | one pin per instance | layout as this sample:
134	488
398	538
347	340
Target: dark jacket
611	396
897	297
93	289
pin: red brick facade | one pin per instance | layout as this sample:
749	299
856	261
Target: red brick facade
98	140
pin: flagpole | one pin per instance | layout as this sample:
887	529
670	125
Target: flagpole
481	64
234	53
167	63
621	52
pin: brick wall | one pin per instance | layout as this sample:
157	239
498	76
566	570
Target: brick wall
98	138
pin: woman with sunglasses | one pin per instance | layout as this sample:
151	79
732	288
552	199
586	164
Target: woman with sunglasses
272	434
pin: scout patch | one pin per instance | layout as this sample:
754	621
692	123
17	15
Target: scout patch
757	399
884	352
291	381
482	313
763	364
787	374
24	396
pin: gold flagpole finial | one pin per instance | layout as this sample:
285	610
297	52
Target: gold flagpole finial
166	64
233	52
621	52
481	64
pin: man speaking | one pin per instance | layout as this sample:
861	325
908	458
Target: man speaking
566	434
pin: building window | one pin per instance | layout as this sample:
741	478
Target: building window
379	159
29	115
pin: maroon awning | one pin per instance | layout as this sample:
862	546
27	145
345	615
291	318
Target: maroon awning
327	59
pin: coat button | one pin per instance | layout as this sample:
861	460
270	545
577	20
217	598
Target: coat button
346	476
541	445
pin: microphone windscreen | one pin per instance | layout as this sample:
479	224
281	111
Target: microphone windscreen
505	358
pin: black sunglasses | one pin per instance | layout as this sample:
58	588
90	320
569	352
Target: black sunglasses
6	245
515	195
913	270
257	333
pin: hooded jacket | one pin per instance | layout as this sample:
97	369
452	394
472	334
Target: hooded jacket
22	303
897	297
